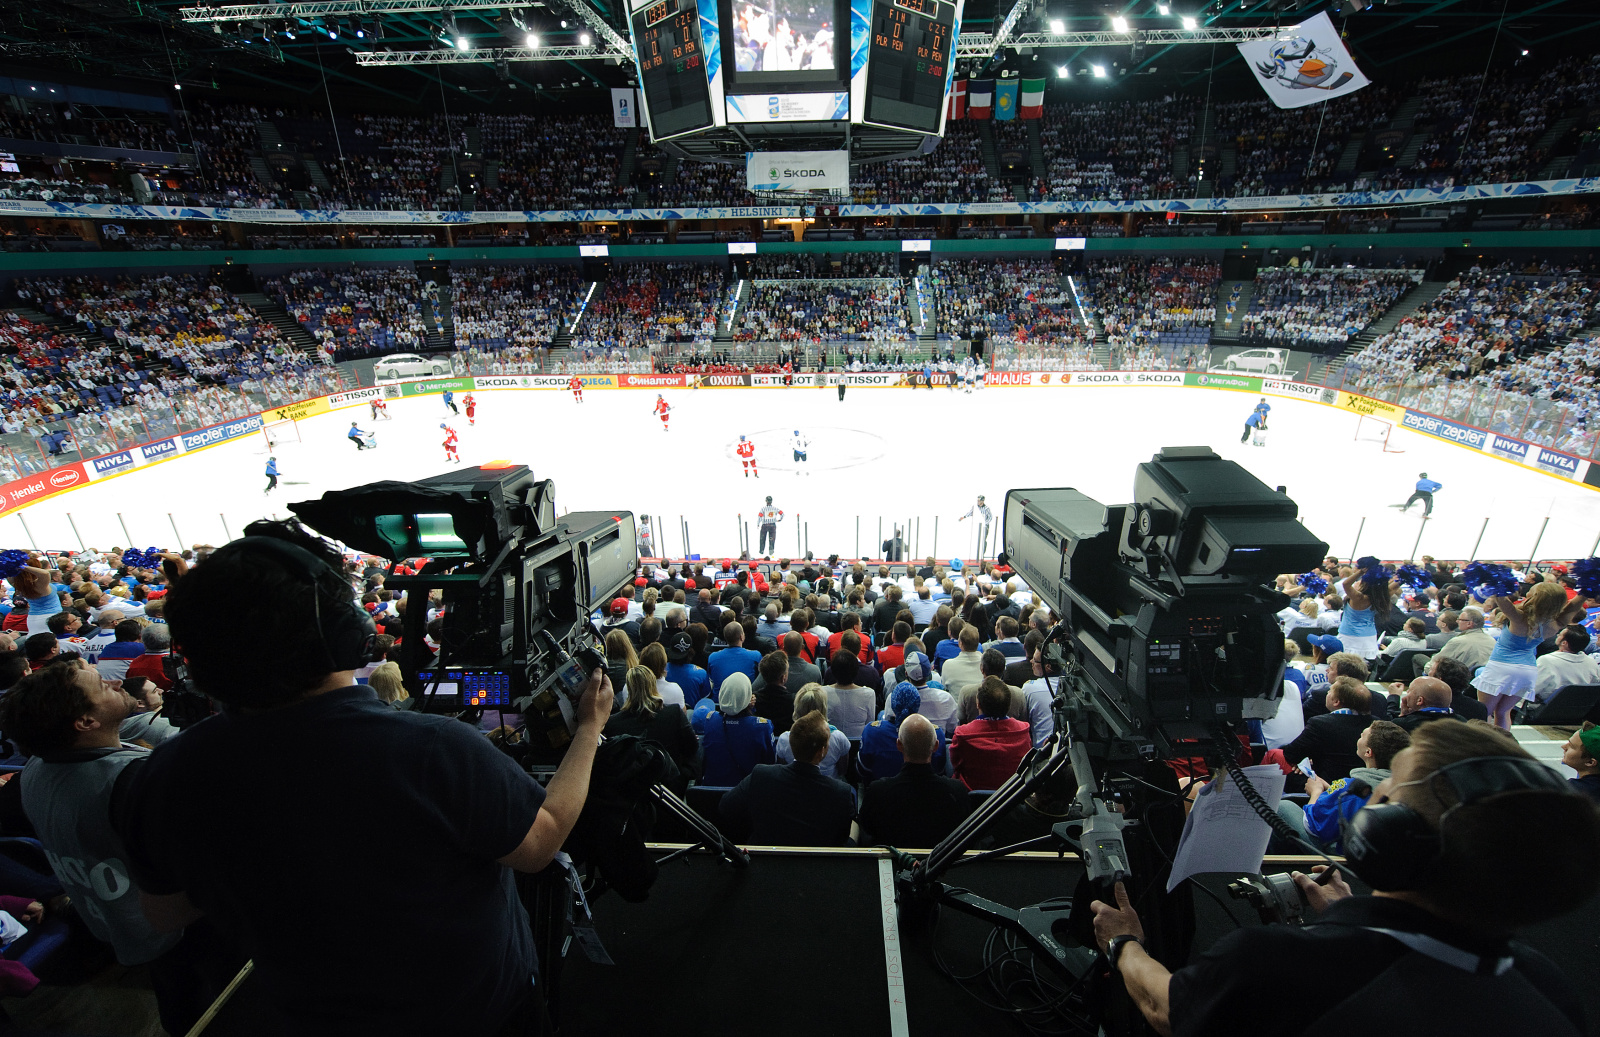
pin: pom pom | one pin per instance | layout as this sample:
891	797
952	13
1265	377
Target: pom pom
150	558
1368	562
1312	583
1586	574
12	562
1414	576
1377	573
1485	580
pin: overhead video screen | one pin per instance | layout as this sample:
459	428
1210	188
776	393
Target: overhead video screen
784	36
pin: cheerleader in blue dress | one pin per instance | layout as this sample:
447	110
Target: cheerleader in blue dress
1511	672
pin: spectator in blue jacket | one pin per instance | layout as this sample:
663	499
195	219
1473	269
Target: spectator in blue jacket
733	659
1329	805
880	752
682	671
733	738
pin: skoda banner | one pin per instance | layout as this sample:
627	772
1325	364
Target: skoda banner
797	170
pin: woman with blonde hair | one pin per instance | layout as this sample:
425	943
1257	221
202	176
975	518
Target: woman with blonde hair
1512	670
814	698
385	680
646	716
620	658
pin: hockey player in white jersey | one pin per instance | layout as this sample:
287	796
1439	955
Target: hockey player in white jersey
799	445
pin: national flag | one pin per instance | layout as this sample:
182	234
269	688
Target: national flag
1304	64
956	103
1032	104
1005	99
980	98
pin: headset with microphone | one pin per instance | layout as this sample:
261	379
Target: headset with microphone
345	630
1393	847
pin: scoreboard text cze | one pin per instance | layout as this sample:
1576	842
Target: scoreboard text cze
908	63
672	68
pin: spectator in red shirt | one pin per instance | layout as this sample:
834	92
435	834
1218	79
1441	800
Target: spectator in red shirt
152	665
850	621
985	752
894	653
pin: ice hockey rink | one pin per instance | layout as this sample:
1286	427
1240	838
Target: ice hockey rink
916	457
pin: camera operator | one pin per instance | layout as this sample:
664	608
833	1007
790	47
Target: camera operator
322	830
1428	927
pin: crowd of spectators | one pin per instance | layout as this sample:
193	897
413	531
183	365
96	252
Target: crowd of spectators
828	310
1156	312
1319	310
515	309
812	266
643	304
1491	350
1015	300
355	312
1114	150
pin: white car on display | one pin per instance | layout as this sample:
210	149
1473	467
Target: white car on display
409	365
1258	361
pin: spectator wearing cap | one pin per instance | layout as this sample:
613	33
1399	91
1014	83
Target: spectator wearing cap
919	806
1323	646
733	738
733	659
813	698
1582	753
987	751
1570	663
938	705
880	753
682	671
793	805
618	618
119	654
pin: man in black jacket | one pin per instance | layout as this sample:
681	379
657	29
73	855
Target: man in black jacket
1330	740
915	808
794	805
706	610
1462	699
884	613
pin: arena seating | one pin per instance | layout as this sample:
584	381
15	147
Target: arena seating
1319	310
355	313
1010	300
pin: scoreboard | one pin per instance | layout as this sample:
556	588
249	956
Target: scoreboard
908	63
672	68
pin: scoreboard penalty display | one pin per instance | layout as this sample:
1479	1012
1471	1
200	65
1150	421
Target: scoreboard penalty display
908	63
672	67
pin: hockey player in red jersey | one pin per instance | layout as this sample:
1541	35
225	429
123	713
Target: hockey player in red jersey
472	407
450	440
663	410
380	409
576	385
747	453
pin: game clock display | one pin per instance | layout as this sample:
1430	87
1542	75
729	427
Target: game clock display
672	68
908	63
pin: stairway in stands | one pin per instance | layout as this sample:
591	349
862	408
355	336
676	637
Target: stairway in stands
991	159
1424	292
278	317
1036	153
1224	332
447	314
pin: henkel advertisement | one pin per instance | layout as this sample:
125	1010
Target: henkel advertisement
36	487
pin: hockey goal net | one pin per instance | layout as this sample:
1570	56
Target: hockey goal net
1376	430
279	432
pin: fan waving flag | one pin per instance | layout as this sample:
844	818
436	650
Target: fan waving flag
1032	104
980	98
1005	99
957	101
1305	64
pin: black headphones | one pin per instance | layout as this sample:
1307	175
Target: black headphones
345	629
1392	847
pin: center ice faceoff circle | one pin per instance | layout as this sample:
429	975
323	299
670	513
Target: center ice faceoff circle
827	448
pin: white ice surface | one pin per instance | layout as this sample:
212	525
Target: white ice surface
881	456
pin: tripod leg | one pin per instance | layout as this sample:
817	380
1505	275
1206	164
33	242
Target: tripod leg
709	834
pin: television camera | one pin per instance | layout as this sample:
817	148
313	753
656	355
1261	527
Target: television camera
1168	645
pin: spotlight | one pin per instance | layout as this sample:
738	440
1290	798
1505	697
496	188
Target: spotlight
583	39
1058	26
563	23
177	86
533	40
462	43
1099	71
1524	52
333	31
1063	73
1189	23
1164	8
1119	24
288	30
361	31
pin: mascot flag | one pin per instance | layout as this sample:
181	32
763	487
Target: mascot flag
1304	64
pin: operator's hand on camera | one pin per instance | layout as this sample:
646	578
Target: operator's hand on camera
1317	897
1115	921
594	700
